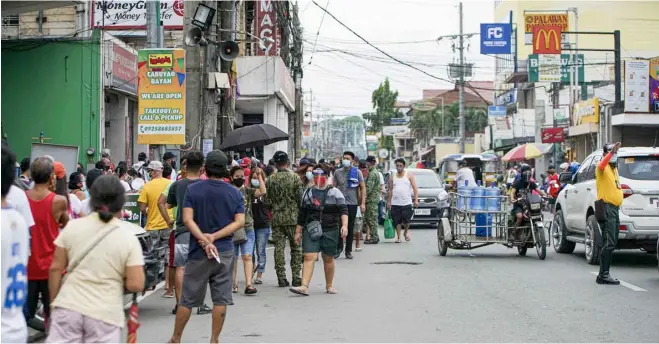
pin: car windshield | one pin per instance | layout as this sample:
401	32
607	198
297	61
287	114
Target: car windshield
426	180
639	167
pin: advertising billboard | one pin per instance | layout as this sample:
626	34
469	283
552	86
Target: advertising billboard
131	14
586	111
566	67
496	38
552	135
637	86
267	29
654	85
531	20
124	70
161	96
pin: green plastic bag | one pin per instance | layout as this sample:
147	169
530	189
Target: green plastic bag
389	231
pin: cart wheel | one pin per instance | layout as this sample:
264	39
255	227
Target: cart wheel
442	246
521	250
541	243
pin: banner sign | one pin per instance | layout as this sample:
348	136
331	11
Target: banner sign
637	86
161	97
547	39
565	68
654	85
586	111
124	69
552	135
132	211
533	20
267	29
496	111
496	38
507	98
131	14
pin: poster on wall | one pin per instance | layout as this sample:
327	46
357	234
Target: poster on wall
161	96
637	98
654	85
131	14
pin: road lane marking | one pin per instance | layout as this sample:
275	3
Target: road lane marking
624	284
147	294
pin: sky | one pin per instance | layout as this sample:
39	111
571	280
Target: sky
341	71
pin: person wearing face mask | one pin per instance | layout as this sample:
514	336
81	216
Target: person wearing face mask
77	185
170	158
261	225
607	182
348	180
246	249
522	183
325	204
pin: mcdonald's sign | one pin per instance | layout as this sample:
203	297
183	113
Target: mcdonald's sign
547	40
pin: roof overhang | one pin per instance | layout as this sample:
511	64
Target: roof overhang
18	7
635	120
583	129
517	77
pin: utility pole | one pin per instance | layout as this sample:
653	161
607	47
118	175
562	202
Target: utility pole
152	24
193	88
225	33
461	91
208	105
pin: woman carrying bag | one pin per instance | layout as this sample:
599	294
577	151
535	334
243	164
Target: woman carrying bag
322	219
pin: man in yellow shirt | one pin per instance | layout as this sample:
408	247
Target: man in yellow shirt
148	201
608	187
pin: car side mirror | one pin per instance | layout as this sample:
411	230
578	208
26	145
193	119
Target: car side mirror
447	187
565	178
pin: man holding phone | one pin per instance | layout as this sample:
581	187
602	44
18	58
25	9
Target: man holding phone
609	191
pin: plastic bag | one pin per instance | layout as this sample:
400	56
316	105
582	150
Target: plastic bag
389	231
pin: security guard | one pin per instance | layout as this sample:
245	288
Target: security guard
283	197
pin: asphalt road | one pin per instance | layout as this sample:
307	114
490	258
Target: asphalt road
486	295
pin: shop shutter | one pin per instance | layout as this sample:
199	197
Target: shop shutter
639	136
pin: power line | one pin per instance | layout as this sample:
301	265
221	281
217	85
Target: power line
318	32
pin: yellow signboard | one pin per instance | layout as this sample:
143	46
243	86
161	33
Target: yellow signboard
161	96
532	20
586	111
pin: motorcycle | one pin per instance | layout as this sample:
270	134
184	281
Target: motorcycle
532	231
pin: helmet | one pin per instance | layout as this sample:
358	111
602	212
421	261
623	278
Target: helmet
564	166
524	167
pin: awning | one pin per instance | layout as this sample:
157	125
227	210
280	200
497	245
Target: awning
426	151
635	119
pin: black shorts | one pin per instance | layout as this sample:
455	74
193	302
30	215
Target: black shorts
35	290
201	272
401	214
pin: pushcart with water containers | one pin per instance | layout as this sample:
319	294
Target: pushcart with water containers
481	216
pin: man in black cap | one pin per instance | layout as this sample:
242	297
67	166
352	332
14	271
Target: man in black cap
284	193
170	158
212	211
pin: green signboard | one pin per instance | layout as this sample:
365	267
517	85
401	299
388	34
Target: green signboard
131	209
534	67
372	146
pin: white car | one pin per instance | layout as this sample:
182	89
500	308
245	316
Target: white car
638	168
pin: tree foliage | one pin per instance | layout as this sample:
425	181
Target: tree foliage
383	100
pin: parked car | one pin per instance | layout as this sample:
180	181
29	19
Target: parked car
638	168
433	198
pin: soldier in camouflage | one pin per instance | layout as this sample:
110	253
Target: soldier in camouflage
373	193
283	197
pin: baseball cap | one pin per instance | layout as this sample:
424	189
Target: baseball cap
371	159
168	155
141	156
304	161
155	165
217	158
245	162
280	157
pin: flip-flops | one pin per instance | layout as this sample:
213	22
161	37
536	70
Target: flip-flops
299	291
331	291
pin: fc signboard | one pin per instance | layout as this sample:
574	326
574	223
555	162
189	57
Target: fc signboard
547	39
495	38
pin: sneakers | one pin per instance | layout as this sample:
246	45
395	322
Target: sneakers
283	282
204	309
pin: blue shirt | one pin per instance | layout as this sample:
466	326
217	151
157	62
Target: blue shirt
215	204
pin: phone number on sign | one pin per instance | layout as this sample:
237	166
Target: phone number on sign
161	129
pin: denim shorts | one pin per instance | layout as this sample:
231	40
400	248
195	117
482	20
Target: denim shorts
247	247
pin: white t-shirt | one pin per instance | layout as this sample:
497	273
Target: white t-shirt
465	174
95	287
126	186
15	246
138	183
86	207
18	199
76	204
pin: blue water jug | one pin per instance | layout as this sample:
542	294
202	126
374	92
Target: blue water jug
483	225
493	202
476	202
463	194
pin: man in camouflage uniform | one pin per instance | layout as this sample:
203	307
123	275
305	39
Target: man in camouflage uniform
284	196
373	192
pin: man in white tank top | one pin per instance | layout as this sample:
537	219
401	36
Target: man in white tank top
399	199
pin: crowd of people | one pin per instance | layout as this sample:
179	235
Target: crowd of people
66	246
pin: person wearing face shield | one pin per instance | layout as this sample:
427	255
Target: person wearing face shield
607	182
522	183
326	205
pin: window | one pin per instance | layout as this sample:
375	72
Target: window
427	180
590	173
10	20
639	167
580	176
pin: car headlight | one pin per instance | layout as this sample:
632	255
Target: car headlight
443	196
535	206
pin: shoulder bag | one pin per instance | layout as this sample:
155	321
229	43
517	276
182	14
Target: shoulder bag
74	263
315	227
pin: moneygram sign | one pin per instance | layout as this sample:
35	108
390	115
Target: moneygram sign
161	96
131	14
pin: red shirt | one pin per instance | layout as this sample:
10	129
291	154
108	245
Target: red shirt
43	233
554	185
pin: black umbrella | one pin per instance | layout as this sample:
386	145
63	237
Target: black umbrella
253	135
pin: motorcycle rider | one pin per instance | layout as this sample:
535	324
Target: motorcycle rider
523	182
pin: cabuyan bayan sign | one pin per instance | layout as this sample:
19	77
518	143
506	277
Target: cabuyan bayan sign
161	96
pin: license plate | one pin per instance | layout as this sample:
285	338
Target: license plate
421	211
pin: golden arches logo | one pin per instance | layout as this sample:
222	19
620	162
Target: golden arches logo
547	33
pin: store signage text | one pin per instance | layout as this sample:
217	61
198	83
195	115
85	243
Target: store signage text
267	29
131	14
